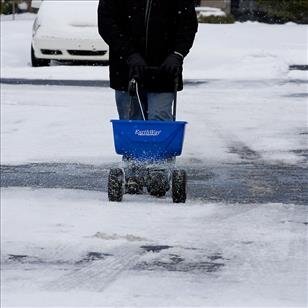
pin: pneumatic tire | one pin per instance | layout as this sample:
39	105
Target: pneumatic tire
116	185
157	185
179	183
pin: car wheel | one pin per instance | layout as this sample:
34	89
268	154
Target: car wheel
38	62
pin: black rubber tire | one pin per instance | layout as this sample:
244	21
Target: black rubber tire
179	181
157	186
134	186
157	192
116	185
38	62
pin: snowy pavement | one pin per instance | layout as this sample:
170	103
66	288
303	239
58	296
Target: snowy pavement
72	248
228	122
245	141
247	182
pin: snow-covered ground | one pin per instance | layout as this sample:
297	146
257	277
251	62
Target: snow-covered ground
239	51
268	115
71	124
68	248
73	248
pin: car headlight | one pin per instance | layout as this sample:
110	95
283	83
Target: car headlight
36	26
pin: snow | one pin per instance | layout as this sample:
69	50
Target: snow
239	51
209	11
247	51
72	124
36	3
298	75
56	20
18	17
57	15
262	266
23	6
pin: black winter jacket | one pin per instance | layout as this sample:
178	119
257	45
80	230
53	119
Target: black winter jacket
153	28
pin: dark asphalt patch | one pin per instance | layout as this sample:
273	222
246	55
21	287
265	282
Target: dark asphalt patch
56	82
298	67
155	248
305	223
26	259
297	95
76	83
94	256
177	263
216	257
247	182
302	152
105	83
18	258
172	259
298	81
243	151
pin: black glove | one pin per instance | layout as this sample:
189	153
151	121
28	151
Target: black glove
172	65
137	66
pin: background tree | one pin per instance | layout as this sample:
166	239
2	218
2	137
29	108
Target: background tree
7	6
29	4
285	10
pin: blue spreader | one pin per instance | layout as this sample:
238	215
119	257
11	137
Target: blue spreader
148	140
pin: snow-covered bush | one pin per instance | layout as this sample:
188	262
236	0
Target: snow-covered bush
209	11
212	15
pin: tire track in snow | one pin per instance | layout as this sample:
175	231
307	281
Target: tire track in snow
233	142
242	150
98	275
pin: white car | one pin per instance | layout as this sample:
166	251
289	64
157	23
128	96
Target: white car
67	30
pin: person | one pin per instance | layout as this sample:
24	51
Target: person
144	34
148	41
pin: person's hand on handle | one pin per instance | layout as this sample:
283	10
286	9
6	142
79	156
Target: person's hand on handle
173	64
137	66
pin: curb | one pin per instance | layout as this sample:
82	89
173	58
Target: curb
74	83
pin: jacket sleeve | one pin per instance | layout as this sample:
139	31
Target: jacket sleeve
186	26
109	27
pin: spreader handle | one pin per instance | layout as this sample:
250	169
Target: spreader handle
176	86
133	90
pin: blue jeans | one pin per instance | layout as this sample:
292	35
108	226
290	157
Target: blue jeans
157	105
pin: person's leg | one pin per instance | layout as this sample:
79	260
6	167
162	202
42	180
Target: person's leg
160	106
128	108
